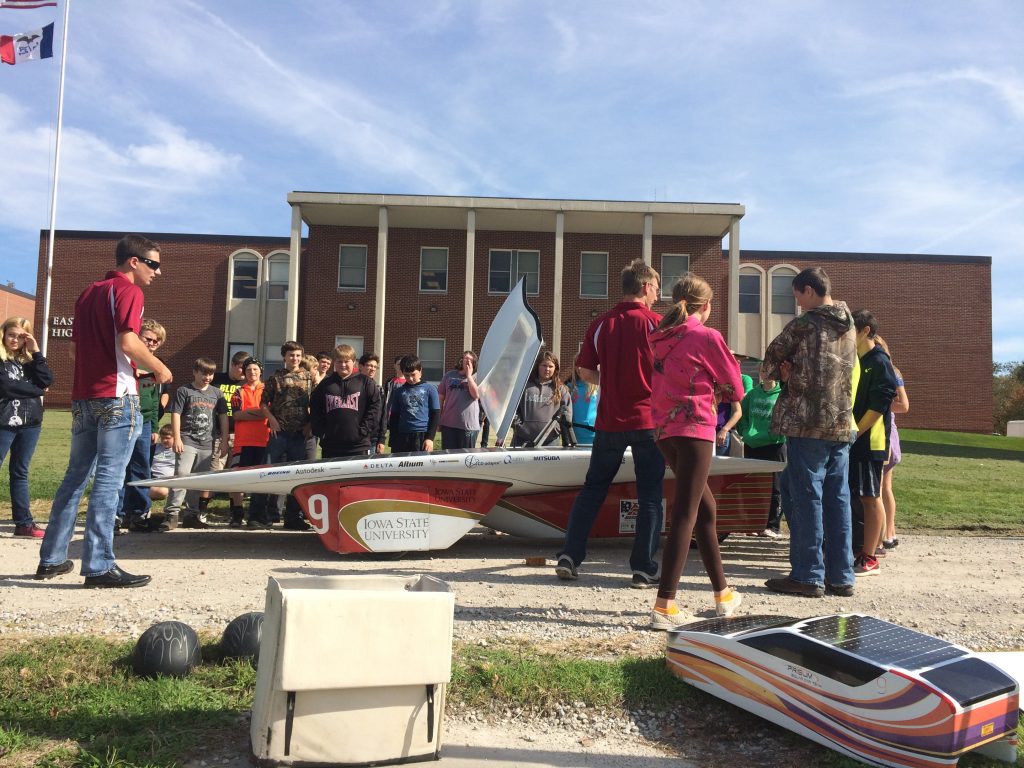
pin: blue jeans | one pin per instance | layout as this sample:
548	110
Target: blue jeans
605	461
820	527
288	446
135	502
102	431
21	443
253	456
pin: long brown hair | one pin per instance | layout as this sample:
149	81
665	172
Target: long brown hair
689	294
549	357
885	348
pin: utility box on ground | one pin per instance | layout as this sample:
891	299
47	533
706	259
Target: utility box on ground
352	670
1015	429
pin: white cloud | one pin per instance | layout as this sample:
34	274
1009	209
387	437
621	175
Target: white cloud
101	181
172	150
1007	86
324	114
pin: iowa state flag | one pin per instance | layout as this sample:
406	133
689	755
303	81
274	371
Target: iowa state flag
29	46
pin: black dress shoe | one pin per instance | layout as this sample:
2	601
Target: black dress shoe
115	577
297	525
195	521
788	586
146	524
49	571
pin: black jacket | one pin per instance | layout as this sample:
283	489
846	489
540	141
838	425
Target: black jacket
21	389
875	391
345	414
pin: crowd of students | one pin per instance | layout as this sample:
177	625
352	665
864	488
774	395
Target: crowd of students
671	390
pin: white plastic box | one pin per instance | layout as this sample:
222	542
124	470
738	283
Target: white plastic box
352	670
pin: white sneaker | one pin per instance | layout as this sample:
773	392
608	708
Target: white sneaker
728	606
668	621
769	533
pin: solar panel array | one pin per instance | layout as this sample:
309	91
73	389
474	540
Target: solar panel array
881	642
734	624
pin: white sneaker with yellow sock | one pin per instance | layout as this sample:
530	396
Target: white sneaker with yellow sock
665	619
726	605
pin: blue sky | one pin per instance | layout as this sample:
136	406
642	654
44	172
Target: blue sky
870	126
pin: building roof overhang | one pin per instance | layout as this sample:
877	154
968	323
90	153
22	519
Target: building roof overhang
515	213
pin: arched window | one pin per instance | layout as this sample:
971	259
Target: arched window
245	270
277	279
783	301
750	290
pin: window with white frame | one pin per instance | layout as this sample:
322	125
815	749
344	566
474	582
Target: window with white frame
433	270
673	266
594	274
356	342
783	300
507	267
244	277
277	284
431	355
352	268
750	294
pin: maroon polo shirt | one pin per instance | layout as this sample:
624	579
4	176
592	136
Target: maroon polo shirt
106	308
616	343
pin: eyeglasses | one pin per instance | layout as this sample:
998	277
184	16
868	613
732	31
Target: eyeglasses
154	265
149	341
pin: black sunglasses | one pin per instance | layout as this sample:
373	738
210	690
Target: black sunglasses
154	265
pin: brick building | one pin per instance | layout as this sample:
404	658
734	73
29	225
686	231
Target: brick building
390	273
15	303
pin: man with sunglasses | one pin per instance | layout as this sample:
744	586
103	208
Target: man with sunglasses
105	414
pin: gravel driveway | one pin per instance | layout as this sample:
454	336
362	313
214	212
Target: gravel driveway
969	590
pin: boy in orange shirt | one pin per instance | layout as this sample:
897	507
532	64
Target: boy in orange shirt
251	435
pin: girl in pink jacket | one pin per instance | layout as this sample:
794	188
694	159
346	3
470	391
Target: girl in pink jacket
693	371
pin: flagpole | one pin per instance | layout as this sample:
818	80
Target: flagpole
56	175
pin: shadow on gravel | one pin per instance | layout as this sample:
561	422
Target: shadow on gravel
478	558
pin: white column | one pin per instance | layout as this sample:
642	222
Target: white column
648	237
556	323
467	315
379	304
734	283
291	331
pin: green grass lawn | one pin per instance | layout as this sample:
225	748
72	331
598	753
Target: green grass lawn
75	703
948	481
951	481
